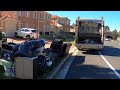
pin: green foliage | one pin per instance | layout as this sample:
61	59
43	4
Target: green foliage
64	38
107	28
115	34
105	35
46	36
2	75
119	33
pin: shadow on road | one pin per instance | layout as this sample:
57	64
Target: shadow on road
79	59
79	70
110	51
90	52
106	51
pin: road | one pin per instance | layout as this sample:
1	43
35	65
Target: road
93	64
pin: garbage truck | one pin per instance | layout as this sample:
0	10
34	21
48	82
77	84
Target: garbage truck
89	34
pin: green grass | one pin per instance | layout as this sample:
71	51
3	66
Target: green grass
2	75
46	36
71	41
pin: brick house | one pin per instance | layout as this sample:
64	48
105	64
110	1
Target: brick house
55	26
60	23
31	19
66	25
8	25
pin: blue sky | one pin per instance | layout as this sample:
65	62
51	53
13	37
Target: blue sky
111	18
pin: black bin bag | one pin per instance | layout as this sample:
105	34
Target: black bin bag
56	45
24	50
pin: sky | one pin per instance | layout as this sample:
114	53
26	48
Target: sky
111	18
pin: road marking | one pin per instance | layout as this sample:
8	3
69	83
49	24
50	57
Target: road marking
109	65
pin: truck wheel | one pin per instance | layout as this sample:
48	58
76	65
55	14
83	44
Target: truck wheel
80	49
27	36
16	35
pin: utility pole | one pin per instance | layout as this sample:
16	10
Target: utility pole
102	29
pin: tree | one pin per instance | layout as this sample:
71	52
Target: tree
119	33
106	31
115	34
107	28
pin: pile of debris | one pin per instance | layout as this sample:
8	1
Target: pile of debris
31	56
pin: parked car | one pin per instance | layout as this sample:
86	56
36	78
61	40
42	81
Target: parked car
107	39
4	37
24	32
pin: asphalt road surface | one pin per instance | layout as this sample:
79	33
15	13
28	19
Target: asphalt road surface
93	64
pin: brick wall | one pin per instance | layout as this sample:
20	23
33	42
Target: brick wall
30	21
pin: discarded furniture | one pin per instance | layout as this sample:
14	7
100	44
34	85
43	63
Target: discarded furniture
8	51
26	68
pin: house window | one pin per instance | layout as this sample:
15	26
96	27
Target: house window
48	27
27	13
62	21
44	16
49	17
34	15
40	16
67	22
19	13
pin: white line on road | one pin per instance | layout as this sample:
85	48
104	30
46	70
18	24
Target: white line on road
110	65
